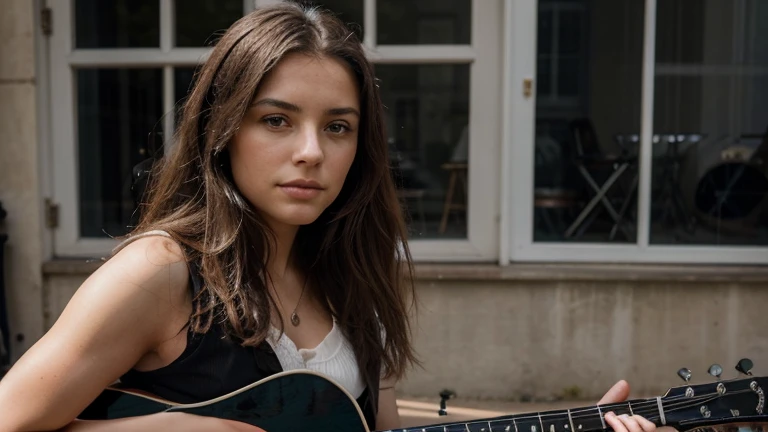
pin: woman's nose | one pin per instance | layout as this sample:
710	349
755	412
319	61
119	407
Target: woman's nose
309	148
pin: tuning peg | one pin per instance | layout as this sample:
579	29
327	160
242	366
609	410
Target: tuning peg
685	374
744	366
716	370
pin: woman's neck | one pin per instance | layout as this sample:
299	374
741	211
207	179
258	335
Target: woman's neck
281	257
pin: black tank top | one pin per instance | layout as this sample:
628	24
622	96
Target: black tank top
213	365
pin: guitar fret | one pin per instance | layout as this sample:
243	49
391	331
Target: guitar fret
661	411
602	419
587	419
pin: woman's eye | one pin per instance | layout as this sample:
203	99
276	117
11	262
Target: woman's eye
337	128
275	122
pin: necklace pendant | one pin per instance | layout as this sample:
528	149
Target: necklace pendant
295	319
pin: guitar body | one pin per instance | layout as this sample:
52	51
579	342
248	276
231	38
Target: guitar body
303	400
288	401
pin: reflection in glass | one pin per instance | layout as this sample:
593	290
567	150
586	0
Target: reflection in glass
350	12
710	153
427	115
117	23
202	22
183	79
589	64
119	114
437	22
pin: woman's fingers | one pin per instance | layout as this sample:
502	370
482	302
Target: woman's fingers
626	423
613	421
646	424
618	393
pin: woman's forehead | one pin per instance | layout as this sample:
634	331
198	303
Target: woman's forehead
303	80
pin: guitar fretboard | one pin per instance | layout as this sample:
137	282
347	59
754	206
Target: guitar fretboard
591	419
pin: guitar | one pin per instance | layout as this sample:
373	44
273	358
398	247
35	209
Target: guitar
302	400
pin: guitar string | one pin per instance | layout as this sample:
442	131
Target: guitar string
650	407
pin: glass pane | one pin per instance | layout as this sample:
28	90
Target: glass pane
201	22
405	22
348	11
570	23
183	79
710	152
427	115
118	112
587	111
117	23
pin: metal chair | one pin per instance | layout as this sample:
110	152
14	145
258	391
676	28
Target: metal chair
589	158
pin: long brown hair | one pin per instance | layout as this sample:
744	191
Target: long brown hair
355	254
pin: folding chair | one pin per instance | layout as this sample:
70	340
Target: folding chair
589	157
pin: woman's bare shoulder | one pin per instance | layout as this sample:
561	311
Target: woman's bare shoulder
135	301
153	264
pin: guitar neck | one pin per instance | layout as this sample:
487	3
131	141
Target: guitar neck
588	419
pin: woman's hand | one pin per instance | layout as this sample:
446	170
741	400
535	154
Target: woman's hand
626	423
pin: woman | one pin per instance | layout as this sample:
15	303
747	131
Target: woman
271	239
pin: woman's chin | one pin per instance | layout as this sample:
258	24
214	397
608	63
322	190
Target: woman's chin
298	219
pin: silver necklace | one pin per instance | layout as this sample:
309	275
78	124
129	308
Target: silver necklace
295	320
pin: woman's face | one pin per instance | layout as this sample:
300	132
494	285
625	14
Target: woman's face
298	139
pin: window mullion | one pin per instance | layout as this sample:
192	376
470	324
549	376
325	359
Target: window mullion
646	127
167	32
422	54
369	24
167	25
169	101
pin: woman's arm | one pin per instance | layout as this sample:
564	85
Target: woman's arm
388	417
161	422
123	311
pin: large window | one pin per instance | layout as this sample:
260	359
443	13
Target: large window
646	135
588	72
710	122
119	71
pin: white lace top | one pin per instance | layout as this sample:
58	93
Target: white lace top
333	357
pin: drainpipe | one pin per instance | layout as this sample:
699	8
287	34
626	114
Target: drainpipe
5	346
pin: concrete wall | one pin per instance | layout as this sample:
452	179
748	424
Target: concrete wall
19	173
551	339
544	332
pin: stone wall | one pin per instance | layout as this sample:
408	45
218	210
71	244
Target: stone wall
19	173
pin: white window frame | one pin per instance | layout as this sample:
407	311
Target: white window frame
520	18
483	56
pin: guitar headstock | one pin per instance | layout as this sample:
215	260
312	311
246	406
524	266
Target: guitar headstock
721	402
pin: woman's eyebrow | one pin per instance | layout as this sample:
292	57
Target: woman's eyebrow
277	103
343	111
